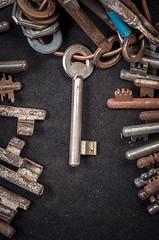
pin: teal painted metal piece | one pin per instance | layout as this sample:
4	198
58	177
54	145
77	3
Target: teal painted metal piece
122	27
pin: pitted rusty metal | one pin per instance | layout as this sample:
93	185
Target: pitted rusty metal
28	171
9	204
26	117
48	12
7	87
151	189
5	3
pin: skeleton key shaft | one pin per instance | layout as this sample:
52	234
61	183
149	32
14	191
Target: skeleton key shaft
142	151
76	121
78	72
149	116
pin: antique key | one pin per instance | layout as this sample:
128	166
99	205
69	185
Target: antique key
151	189
124	99
28	171
142	151
140	131
9	204
149	116
26	117
7	87
144	177
78	71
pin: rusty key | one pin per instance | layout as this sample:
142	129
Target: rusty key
9	204
28	171
104	44
146	85
150	116
151	189
124	99
26	117
7	87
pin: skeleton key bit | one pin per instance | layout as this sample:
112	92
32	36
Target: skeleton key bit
9	204
26	117
78	71
7	87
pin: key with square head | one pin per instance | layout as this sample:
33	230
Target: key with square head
78	71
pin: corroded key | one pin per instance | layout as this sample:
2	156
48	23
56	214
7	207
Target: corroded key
151	189
147	86
78	72
26	117
7	87
9	204
150	116
28	171
5	3
124	99
149	161
142	180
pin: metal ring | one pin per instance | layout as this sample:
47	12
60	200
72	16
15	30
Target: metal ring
130	57
74	69
47	21
47	48
104	48
36	14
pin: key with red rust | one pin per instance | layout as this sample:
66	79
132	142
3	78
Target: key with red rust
150	116
7	87
124	99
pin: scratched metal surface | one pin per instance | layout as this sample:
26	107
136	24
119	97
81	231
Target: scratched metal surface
97	200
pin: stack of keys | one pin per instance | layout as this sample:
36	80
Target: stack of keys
38	19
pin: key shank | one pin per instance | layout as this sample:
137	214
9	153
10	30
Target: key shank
76	121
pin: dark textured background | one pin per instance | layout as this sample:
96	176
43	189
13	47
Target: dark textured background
97	200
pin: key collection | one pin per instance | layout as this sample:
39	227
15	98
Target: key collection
138	42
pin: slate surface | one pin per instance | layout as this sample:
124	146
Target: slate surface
97	200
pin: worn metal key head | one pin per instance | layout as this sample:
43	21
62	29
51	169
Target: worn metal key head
74	69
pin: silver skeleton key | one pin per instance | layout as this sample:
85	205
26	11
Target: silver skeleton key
78	71
140	131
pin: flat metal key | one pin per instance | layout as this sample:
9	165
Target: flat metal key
9	204
78	71
27	172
